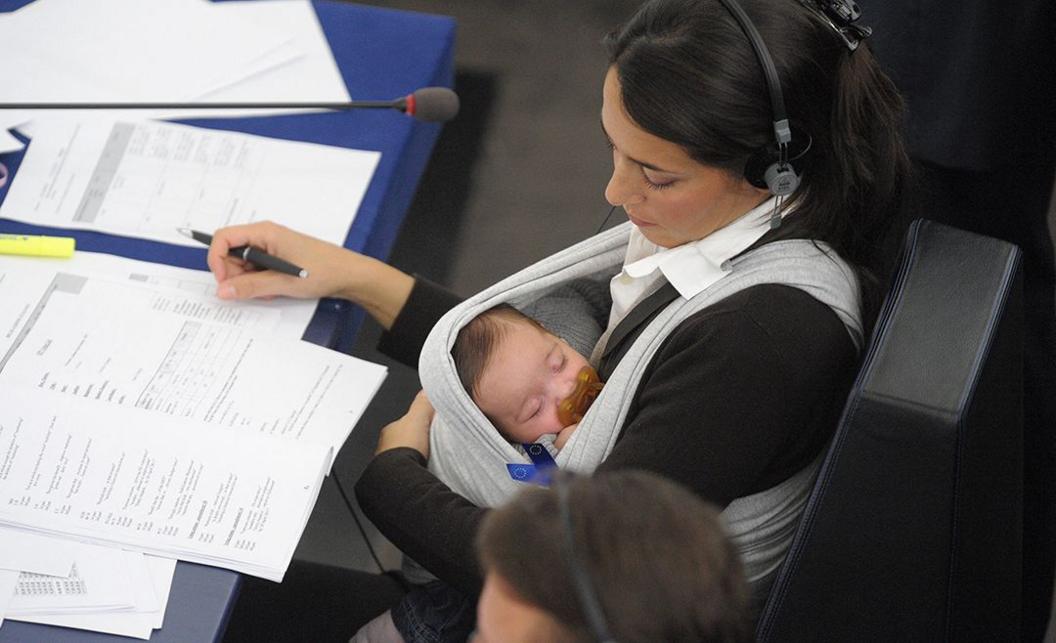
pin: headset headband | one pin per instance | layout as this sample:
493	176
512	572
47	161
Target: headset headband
588	598
782	132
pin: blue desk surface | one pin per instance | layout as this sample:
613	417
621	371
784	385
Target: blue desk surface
382	54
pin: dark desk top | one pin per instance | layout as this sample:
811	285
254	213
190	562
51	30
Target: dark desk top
382	54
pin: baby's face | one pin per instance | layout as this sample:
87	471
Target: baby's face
529	373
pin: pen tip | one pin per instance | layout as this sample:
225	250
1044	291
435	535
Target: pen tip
184	231
303	274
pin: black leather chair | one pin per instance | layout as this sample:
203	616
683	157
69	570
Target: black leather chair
913	531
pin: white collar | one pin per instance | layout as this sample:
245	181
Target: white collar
692	267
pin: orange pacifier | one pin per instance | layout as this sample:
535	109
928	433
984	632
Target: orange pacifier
571	409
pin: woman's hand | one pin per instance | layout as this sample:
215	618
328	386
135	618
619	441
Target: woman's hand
236	280
411	430
333	271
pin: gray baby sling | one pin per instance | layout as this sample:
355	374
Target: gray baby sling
469	455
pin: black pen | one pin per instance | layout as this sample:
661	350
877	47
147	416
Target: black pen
255	256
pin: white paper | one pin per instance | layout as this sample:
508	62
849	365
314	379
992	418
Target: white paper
69	50
243	52
8	580
138	624
148	179
173	353
311	77
8	143
294	314
101	580
120	476
22	551
161	572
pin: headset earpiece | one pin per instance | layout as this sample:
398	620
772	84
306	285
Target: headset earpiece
765	169
781	179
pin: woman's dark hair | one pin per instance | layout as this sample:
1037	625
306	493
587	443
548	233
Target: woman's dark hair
688	74
655	553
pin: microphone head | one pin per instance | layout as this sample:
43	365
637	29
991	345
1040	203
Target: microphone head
433	104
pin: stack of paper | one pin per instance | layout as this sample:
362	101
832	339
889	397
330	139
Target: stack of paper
58	581
167	51
143	414
100	588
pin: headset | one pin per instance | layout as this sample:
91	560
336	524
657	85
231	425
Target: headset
770	167
588	597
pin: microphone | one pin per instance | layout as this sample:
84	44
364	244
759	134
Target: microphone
429	104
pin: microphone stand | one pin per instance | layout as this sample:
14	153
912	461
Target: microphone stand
400	104
430	104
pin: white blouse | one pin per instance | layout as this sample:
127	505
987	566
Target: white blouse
690	267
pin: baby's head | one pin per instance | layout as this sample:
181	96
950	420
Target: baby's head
516	371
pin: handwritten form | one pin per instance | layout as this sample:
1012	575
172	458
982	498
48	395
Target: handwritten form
145	179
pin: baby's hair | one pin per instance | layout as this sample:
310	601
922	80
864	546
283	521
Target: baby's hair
477	340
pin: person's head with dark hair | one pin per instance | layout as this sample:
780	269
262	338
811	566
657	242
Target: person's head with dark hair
686	106
519	374
654	554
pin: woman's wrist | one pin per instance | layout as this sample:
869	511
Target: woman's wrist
376	286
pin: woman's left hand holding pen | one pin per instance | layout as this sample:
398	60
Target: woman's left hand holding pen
333	271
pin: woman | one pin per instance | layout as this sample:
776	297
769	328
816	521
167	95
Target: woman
741	396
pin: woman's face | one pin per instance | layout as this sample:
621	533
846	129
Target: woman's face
672	198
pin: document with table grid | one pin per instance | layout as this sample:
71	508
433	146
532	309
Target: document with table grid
145	179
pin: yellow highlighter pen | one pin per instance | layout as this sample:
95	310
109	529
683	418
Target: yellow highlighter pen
36	245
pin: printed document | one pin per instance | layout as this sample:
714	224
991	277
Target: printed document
100	580
158	484
175	353
138	623
294	314
145	179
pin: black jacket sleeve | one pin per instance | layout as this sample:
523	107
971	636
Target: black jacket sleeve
422	516
738	398
426	304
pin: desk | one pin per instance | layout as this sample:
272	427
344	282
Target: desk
382	54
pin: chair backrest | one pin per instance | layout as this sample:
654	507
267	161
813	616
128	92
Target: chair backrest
913	530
